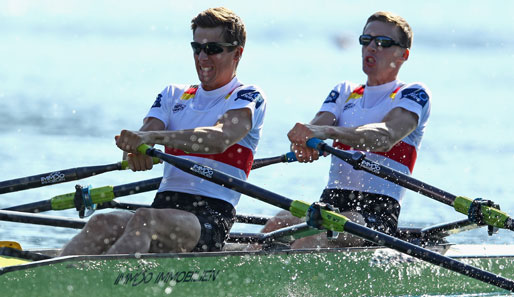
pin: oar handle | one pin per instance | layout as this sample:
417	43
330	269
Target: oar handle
285	158
124	163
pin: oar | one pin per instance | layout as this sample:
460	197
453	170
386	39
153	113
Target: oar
67	175
491	216
106	194
288	157
39	219
330	220
96	195
59	176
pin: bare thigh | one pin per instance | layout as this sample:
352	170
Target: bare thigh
171	230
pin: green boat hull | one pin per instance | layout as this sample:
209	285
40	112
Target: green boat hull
344	272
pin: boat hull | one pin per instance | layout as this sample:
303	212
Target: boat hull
341	272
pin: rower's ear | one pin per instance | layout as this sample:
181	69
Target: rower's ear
406	54
239	53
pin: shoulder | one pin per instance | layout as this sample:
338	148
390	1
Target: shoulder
342	90
250	93
417	92
174	90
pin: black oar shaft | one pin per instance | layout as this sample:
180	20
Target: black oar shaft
38	206
55	177
222	179
288	157
137	187
429	256
38	219
358	161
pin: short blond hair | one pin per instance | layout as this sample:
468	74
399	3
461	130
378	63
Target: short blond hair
233	27
404	28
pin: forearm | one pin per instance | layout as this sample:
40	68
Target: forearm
371	137
202	140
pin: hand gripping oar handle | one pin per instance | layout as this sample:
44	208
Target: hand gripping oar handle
491	216
331	220
60	176
288	157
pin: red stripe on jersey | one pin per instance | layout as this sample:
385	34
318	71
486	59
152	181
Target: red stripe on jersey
402	153
237	156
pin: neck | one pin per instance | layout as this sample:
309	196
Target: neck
376	81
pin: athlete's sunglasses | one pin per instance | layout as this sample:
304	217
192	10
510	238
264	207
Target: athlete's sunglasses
383	41
210	48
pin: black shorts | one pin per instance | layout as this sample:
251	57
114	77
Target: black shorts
216	216
379	211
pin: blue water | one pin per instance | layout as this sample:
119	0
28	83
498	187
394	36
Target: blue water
74	73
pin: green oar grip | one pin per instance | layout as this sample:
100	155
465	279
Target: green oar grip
124	163
492	216
143	148
331	220
98	195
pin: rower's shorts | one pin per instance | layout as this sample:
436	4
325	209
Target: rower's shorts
216	216
379	211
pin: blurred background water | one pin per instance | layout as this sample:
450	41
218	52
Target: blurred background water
74	73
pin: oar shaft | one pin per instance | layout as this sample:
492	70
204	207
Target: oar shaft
359	161
289	157
38	219
220	178
429	256
137	187
55	177
491	216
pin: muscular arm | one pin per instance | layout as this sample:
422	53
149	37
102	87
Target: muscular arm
232	127
377	137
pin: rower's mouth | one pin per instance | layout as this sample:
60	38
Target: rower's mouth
370	60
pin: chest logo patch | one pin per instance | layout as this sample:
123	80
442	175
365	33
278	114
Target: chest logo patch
178	107
348	106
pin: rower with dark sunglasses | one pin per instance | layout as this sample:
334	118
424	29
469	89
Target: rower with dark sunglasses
216	123
386	118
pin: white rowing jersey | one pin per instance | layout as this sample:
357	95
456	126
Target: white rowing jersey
182	107
354	105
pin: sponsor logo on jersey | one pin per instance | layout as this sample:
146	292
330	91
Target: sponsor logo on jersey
157	102
178	107
251	96
417	95
332	97
348	106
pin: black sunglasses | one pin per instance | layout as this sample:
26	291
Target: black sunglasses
210	48
383	41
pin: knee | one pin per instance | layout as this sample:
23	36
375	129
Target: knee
106	223
143	217
281	220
